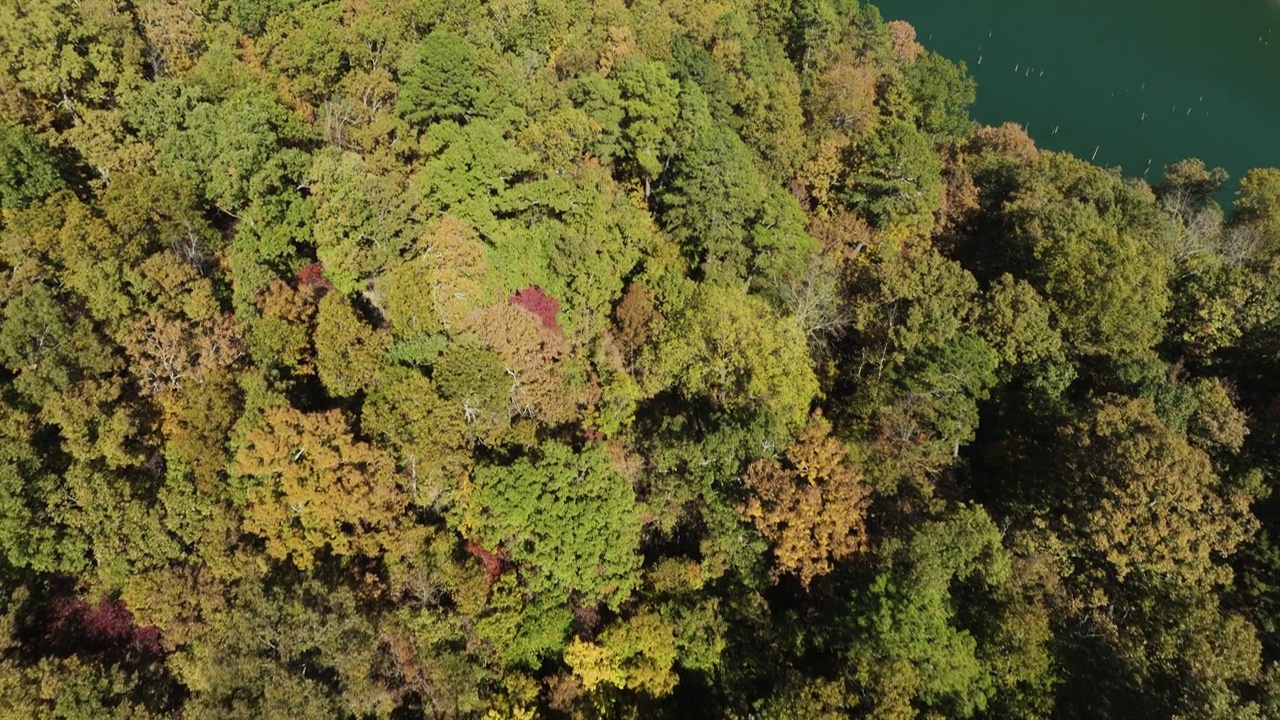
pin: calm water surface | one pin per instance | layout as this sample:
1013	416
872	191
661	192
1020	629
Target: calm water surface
1140	83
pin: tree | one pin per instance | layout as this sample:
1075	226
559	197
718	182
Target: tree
908	651
905	46
719	207
441	286
362	219
942	91
70	56
813	510
917	364
1188	186
311	487
251	16
603	236
184	336
308	48
1090	245
525	628
197	423
406	412
237	153
534	357
1216	309
467	168
312	631
844	95
768	101
442	81
28	532
1018	325
636	654
350	353
895	178
567	516
713	196
1153	505
27	168
474	378
95	261
650	106
730	348
279	339
173	33
46	345
1258	204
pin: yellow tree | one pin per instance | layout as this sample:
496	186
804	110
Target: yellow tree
428	433
168	351
635	654
1153	504
280	337
813	507
844	96
350	353
440	287
312	486
534	357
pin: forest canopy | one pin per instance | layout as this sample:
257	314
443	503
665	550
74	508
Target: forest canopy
586	359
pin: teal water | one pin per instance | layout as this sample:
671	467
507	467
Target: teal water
1140	83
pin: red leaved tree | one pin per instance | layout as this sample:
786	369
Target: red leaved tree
538	302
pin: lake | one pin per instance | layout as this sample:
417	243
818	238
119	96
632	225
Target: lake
1129	83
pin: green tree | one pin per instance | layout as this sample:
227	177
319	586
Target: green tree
768	100
473	376
718	205
1018	325
406	412
525	628
1258	205
918	365
941	91
68	55
908	651
467	169
649	99
238	153
895	178
714	194
46	346
567	516
308	47
362	219
312	630
730	348
27	168
1090	244
442	81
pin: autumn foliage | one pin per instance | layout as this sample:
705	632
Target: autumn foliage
540	304
595	359
812	507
